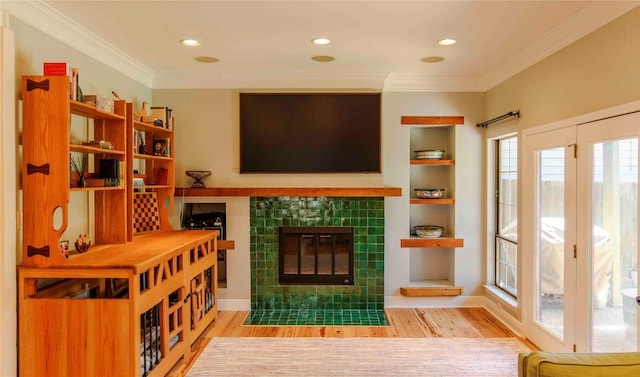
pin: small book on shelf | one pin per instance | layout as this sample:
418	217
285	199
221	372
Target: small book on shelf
162	147
55	68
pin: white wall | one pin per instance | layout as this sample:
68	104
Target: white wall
8	195
468	183
597	72
207	139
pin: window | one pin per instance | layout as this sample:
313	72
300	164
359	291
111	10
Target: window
506	238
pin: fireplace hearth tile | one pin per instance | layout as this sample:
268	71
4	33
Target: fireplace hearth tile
316	317
365	214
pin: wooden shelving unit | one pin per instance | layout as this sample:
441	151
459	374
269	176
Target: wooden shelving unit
46	178
151	165
128	306
427	130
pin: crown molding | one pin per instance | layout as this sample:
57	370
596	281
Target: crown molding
268	80
55	24
421	83
590	18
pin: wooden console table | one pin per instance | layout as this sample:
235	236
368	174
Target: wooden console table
118	310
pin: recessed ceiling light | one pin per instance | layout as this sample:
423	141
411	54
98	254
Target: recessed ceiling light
190	42
207	59
321	41
323	58
446	42
432	59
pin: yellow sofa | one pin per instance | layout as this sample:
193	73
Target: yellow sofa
553	364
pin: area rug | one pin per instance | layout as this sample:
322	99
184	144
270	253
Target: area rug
442	357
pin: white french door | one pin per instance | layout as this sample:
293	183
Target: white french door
549	275
580	244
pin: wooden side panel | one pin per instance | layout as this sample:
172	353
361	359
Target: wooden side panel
129	166
45	166
68	337
111	218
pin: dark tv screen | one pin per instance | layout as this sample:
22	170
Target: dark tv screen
310	132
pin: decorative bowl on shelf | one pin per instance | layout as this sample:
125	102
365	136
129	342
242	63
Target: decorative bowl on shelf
198	175
428	231
429	154
424	193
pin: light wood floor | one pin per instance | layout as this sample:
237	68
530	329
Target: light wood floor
403	323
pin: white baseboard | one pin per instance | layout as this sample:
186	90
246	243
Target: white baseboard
234	304
497	310
433	302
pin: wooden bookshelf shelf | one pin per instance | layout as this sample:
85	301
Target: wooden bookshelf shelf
442	242
431	291
432	201
432	162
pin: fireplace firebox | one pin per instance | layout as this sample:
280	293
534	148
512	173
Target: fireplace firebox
318	255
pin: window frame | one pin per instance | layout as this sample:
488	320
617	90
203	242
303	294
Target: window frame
498	237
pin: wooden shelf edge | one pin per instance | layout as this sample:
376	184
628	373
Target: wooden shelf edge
290	191
93	150
152	187
97	188
436	291
148	127
226	244
431	120
151	157
89	111
442	242
432	201
432	162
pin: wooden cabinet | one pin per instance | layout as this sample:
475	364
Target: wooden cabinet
129	306
47	180
432	261
120	310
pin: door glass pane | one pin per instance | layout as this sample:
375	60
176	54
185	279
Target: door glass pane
343	251
307	255
507	216
550	240
614	248
325	257
506	265
291	255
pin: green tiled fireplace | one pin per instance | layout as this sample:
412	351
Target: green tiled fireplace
360	303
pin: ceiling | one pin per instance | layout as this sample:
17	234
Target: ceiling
267	44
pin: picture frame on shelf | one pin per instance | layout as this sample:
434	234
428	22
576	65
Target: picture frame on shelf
162	147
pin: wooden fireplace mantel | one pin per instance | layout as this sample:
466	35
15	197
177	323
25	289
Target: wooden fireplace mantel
290	191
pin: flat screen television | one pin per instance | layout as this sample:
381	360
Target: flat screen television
310	132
